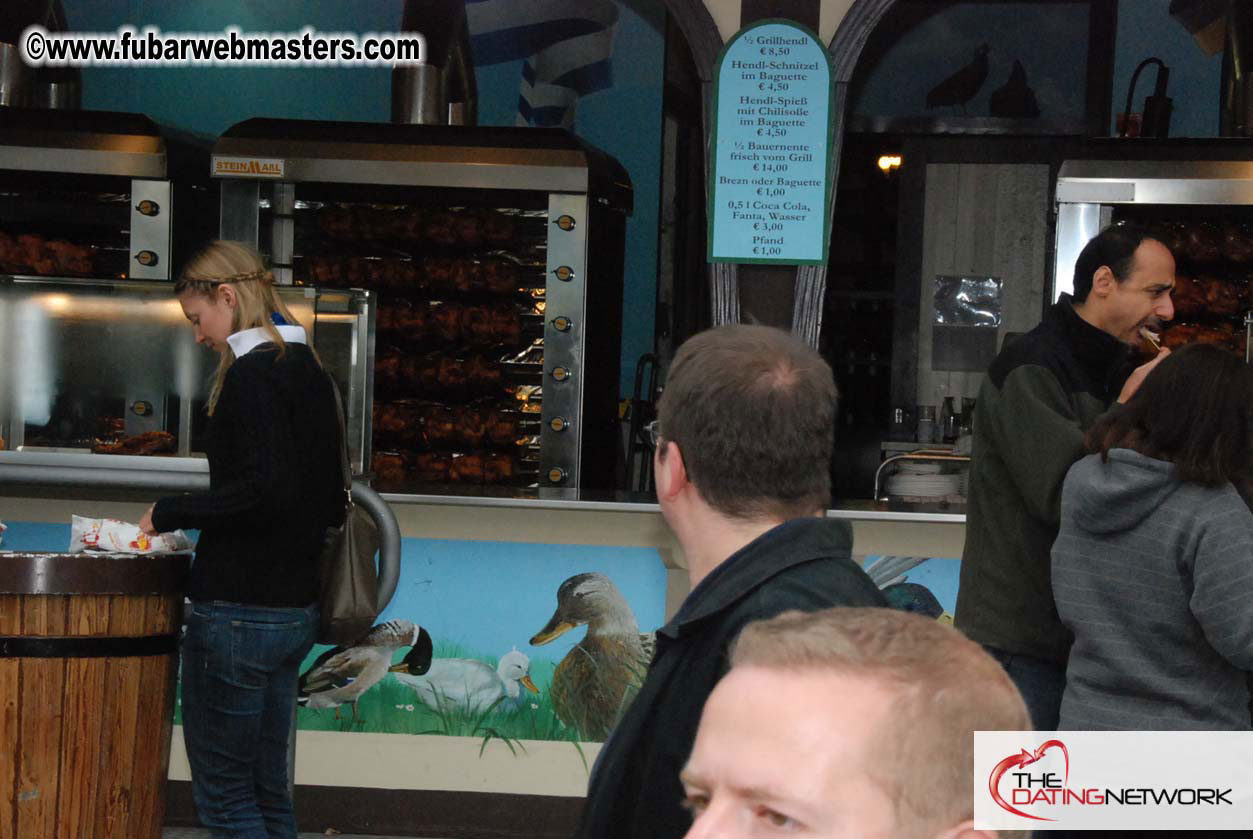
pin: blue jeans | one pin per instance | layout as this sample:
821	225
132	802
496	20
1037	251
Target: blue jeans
1040	682
240	666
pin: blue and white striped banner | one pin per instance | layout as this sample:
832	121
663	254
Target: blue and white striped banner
566	46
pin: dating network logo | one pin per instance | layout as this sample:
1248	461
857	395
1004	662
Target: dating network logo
1046	785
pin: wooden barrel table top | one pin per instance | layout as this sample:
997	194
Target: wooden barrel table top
29	572
88	647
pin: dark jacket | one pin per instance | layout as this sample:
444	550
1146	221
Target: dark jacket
1041	395
1155	578
275	483
801	564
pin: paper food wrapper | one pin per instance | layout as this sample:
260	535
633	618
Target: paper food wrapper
113	536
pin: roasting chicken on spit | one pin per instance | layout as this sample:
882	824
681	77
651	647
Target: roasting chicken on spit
481	467
403	319
439	425
33	254
432	467
1203	242
148	443
417	376
451	323
1219	334
358	223
389	467
1237	244
1207	297
445	274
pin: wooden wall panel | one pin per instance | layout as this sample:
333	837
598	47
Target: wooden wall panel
982	219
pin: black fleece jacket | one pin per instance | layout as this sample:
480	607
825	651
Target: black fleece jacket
1041	395
275	483
805	564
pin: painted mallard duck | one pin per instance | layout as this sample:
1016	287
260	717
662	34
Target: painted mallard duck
600	676
470	685
342	674
890	574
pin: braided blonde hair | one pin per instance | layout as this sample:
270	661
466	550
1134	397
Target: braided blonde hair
221	263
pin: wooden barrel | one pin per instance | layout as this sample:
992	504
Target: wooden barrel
88	659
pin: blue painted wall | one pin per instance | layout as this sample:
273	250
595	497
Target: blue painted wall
625	120
1051	41
1052	48
208	100
1146	29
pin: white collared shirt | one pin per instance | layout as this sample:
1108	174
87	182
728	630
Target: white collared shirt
247	340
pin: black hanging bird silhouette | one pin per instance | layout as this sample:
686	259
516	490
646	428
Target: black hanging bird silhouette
1015	99
961	87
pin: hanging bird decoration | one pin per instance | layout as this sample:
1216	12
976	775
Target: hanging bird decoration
1015	99
962	86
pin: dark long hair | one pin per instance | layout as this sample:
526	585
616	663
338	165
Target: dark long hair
1193	410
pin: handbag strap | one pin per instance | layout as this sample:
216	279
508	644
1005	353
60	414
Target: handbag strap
343	441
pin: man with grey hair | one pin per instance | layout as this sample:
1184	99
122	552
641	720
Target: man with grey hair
743	441
854	723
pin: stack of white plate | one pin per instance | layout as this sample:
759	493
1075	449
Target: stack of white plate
923	480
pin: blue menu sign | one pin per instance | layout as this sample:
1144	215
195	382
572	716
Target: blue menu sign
773	118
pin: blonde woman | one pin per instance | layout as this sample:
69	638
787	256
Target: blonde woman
275	487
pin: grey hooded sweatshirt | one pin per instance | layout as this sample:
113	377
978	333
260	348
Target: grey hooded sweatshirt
1154	577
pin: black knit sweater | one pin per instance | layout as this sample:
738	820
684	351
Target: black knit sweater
275	483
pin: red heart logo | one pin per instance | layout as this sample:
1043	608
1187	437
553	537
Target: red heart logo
1024	758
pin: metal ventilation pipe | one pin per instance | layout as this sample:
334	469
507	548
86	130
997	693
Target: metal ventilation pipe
59	87
14	77
1236	115
38	87
443	90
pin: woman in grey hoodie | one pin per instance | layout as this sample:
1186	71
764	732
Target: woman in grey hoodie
1153	566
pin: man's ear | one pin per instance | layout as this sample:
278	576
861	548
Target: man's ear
669	470
966	830
1103	281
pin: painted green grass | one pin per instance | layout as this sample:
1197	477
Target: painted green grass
391	707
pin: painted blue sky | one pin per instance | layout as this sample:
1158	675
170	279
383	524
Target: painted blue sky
491	596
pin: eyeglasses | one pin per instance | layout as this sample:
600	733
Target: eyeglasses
653	430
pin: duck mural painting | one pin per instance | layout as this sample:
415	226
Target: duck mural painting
597	679
921	584
343	674
470	685
513	641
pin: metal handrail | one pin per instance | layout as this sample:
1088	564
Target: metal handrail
922	454
85	470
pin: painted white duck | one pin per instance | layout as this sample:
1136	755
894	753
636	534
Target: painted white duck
343	674
470	685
